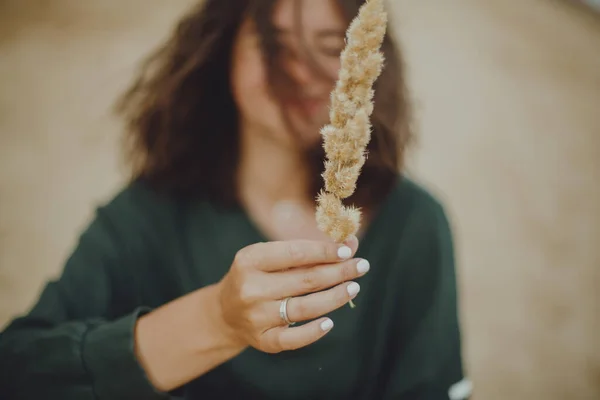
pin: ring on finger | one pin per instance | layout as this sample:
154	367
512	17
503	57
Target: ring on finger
283	311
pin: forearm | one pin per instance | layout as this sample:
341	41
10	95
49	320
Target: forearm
184	339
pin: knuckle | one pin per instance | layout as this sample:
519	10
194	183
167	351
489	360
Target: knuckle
316	333
276	346
312	335
263	344
255	319
310	280
295	252
295	346
244	258
328	251
340	296
347	272
301	309
249	293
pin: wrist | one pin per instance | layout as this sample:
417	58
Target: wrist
184	339
230	339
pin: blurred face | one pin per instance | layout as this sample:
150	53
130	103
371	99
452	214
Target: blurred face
311	33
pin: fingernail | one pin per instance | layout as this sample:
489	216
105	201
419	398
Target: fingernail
344	252
353	288
363	267
326	325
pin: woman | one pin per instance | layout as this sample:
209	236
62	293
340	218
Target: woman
190	281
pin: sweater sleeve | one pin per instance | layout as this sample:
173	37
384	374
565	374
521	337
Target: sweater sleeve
75	343
427	361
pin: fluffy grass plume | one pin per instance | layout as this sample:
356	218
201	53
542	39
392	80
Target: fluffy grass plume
346	137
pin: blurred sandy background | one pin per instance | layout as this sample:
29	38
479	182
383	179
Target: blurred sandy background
508	102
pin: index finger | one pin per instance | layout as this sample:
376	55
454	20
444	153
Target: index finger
280	255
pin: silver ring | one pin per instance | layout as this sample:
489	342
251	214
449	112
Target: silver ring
283	311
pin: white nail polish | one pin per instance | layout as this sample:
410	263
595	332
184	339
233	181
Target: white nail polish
326	325
344	252
353	288
363	266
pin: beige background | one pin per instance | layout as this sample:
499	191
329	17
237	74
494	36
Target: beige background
508	95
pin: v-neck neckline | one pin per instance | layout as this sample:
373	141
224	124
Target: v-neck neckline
257	234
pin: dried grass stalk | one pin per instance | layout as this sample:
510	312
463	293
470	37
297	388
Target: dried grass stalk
346	137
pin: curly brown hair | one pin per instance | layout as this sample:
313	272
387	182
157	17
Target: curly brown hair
182	121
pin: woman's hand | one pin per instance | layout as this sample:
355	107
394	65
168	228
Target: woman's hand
315	275
191	335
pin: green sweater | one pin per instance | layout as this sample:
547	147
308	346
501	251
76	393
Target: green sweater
402	341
